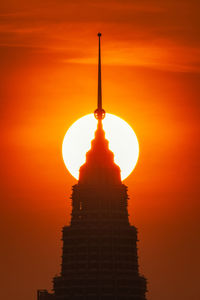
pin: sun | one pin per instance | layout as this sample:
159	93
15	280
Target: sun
122	139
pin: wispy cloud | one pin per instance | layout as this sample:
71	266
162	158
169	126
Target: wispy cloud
154	34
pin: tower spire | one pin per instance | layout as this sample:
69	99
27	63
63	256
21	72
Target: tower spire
99	76
99	112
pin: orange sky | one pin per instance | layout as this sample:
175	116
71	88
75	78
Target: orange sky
151	79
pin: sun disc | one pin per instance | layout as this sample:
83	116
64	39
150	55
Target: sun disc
122	142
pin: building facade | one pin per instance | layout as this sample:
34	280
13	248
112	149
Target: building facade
99	258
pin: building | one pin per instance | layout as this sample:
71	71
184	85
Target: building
99	260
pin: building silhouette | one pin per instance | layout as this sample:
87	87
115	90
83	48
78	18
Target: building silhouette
99	259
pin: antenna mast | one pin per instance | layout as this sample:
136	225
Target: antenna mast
99	112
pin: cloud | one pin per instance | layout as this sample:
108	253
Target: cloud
154	34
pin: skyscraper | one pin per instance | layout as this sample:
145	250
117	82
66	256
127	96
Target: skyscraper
99	259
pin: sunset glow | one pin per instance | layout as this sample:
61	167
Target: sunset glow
150	78
122	142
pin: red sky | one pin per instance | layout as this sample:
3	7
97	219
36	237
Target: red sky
151	79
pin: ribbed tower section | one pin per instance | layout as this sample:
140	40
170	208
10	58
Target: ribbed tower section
99	260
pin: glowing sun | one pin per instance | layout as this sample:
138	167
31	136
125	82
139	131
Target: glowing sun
122	142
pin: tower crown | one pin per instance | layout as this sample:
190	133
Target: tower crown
99	168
